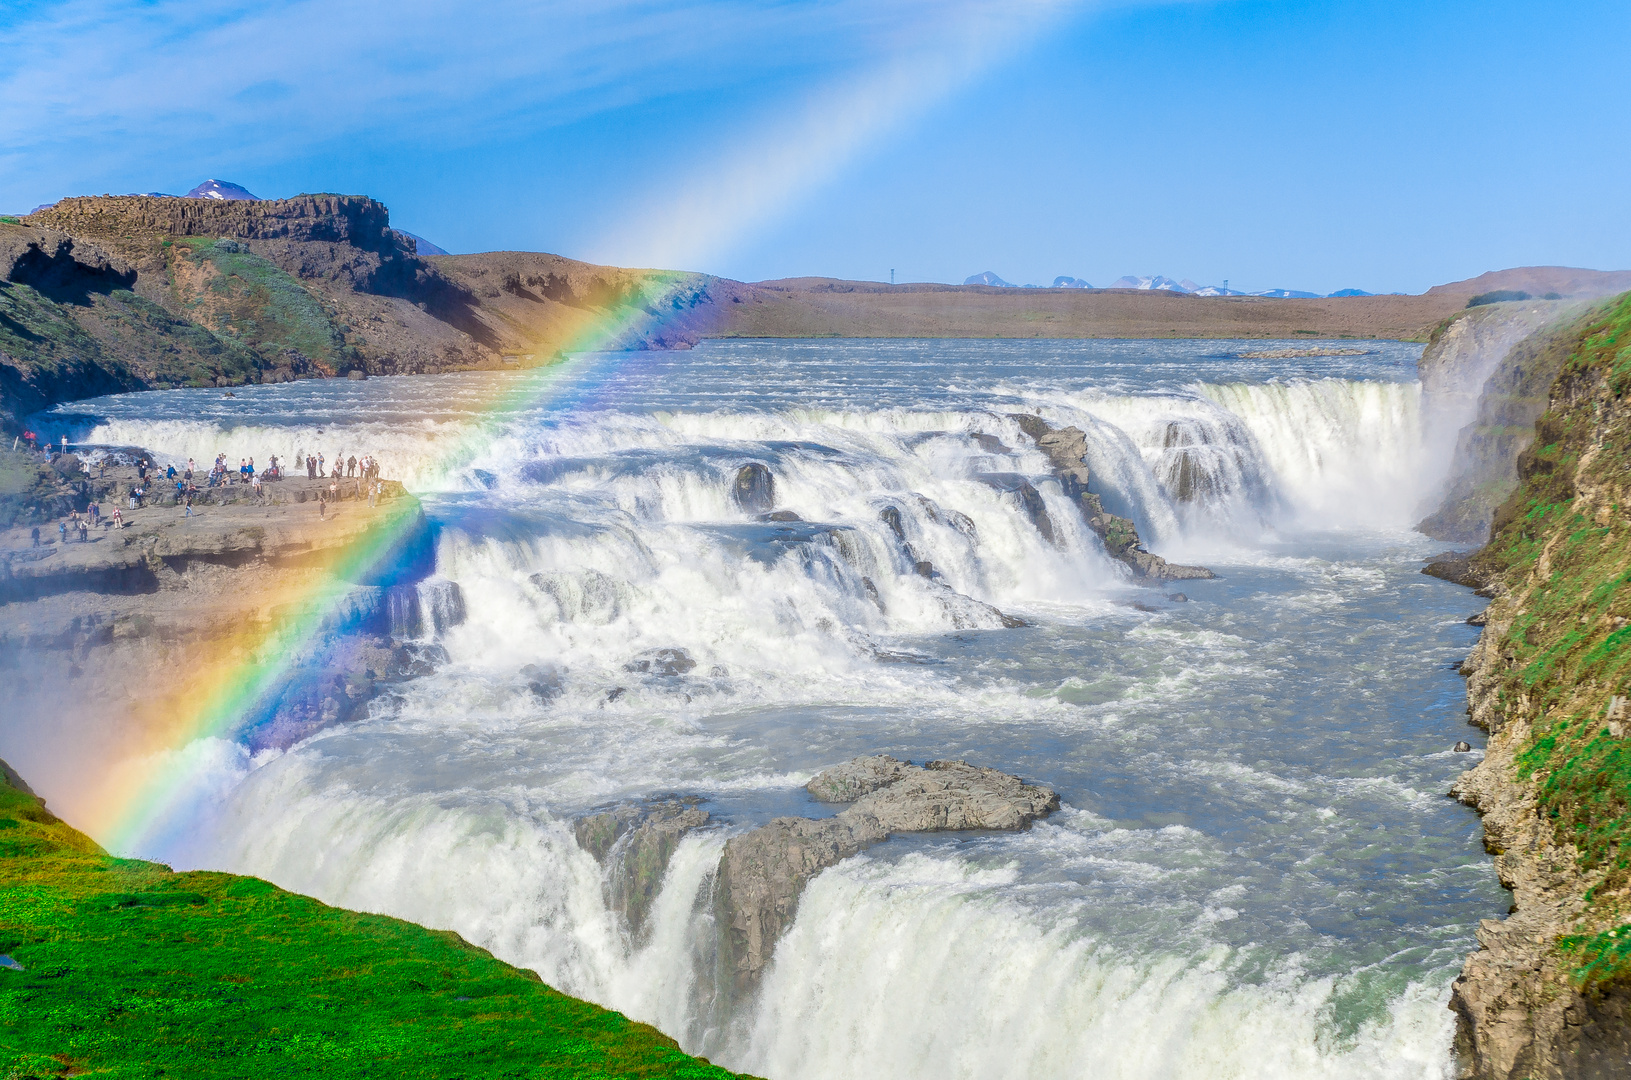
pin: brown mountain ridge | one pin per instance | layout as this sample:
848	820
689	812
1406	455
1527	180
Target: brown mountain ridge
109	293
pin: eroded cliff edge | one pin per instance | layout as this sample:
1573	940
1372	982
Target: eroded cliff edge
1548	994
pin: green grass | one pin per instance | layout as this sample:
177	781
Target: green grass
133	341
253	301
132	970
1569	651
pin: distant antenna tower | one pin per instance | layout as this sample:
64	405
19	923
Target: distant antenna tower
1225	283
891	277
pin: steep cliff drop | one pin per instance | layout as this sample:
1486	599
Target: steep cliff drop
1549	993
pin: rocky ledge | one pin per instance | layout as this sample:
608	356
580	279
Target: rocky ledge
762	873
1066	450
129	622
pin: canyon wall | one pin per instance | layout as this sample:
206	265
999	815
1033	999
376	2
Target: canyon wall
1548	995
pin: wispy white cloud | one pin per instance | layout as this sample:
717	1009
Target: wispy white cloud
102	78
107	88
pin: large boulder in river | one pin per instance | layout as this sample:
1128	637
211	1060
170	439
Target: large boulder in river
762	873
754	488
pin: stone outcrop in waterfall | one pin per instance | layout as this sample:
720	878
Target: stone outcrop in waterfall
762	873
635	843
754	489
1065	449
1548	994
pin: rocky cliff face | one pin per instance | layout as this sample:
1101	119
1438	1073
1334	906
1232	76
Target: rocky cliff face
125	292
116	638
71	326
1548	995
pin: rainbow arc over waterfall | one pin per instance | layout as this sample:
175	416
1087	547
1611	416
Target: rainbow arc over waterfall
231	682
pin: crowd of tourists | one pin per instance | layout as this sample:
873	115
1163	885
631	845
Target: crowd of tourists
365	470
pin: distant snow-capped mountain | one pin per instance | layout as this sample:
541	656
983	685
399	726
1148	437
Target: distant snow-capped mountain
1158	283
1164	284
220	189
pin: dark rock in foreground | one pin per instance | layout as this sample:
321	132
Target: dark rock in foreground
1454	567
762	873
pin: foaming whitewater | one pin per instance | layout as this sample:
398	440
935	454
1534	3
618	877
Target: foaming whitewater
1346	453
716	573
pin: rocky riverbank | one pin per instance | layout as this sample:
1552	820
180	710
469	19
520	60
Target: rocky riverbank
118	636
763	872
1548	994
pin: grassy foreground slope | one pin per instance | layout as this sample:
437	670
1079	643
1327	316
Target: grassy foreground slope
132	970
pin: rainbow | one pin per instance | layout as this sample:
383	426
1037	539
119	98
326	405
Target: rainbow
232	681
690	222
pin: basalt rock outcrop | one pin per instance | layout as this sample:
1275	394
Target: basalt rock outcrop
1066	449
635	842
762	873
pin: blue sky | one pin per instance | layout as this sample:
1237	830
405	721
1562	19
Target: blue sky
1381	145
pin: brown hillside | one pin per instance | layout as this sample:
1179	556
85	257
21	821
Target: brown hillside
818	307
1567	281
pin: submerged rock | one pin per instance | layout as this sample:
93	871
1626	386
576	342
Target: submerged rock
662	662
762	873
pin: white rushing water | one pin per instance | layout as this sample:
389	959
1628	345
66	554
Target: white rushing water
1255	872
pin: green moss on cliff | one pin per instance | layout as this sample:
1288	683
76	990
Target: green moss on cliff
251	300
130	969
1563	541
102	343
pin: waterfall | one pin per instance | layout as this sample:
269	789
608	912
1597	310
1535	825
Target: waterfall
713	601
